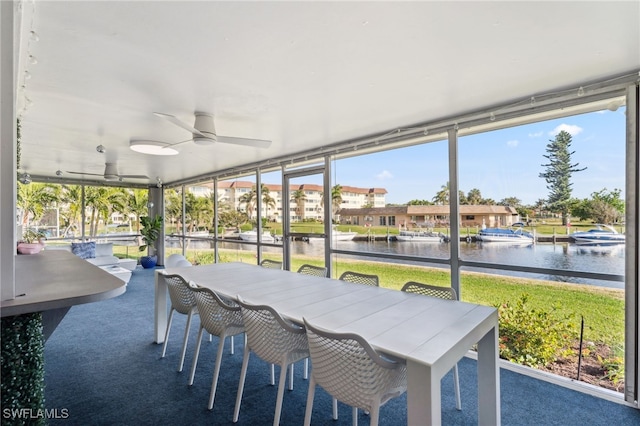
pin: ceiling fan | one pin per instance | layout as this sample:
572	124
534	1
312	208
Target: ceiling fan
111	173
204	132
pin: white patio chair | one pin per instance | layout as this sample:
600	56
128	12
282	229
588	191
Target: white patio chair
271	264
220	318
317	271
274	340
182	301
350	370
447	293
173	260
358	278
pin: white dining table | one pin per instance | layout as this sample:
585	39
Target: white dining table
431	335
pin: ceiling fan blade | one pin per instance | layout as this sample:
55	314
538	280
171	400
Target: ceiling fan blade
133	176
179	123
170	145
82	173
256	143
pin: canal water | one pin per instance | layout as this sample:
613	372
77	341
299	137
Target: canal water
563	256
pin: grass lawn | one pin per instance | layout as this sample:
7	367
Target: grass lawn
602	308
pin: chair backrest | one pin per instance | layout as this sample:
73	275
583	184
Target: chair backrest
349	369
271	264
358	278
218	316
317	271
173	260
270	336
181	295
430	290
182	263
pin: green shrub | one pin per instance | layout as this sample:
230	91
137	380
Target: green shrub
533	336
22	362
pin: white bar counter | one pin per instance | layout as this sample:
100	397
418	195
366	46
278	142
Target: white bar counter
56	279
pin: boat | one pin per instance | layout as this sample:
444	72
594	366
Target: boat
253	236
601	235
420	236
343	235
505	235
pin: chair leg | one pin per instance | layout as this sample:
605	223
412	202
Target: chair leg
195	356
186	340
310	394
354	416
273	375
291	376
335	409
232	346
216	371
375	414
305	373
281	383
456	384
243	374
166	334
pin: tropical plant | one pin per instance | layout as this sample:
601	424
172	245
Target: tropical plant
151	228
250	199
442	196
603	207
336	198
137	203
558	174
299	197
533	336
474	197
31	236
102	201
33	199
71	198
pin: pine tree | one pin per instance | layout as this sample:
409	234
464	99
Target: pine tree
558	174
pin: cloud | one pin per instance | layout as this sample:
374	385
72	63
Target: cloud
535	135
513	143
384	175
569	128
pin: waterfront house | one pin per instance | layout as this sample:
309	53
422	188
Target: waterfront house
429	216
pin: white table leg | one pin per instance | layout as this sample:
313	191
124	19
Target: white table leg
488	379
423	395
160	309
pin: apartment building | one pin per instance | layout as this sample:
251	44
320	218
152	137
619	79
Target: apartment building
309	207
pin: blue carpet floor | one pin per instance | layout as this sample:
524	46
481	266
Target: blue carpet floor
102	366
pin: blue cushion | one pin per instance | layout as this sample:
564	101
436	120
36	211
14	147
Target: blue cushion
84	250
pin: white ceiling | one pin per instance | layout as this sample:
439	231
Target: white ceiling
302	74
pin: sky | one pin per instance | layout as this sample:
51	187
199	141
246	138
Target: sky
503	163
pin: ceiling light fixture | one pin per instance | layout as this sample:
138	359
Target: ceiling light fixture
152	147
101	149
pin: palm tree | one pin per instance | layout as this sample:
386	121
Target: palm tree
299	197
442	197
137	203
250	199
102	202
173	206
199	210
336	198
32	199
474	196
71	199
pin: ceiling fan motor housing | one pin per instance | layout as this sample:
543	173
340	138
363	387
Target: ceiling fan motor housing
204	124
